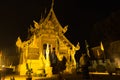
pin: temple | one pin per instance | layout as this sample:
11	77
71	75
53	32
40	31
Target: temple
47	44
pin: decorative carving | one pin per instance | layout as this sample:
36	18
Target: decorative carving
50	32
19	42
36	25
77	46
65	29
33	53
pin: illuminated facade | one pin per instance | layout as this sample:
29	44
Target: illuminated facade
47	36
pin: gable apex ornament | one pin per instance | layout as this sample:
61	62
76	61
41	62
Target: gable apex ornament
52	4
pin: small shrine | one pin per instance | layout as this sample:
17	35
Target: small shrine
46	47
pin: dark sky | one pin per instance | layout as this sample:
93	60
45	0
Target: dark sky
17	16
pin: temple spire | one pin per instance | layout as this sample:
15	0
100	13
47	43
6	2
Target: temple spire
52	4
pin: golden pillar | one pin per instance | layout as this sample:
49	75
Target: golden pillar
48	69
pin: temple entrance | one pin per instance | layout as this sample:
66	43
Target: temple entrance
53	58
44	50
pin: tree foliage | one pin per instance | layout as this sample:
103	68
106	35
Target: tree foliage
108	29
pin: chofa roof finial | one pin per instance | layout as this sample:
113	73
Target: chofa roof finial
52	4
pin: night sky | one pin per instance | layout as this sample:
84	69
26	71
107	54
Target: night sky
81	16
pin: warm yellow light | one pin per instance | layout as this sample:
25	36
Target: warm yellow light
117	62
48	32
3	65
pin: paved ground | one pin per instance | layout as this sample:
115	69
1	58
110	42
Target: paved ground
95	76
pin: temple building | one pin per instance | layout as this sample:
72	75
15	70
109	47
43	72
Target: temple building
47	44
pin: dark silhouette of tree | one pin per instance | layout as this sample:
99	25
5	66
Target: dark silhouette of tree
107	30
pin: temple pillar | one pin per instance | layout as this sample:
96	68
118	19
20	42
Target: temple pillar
48	69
